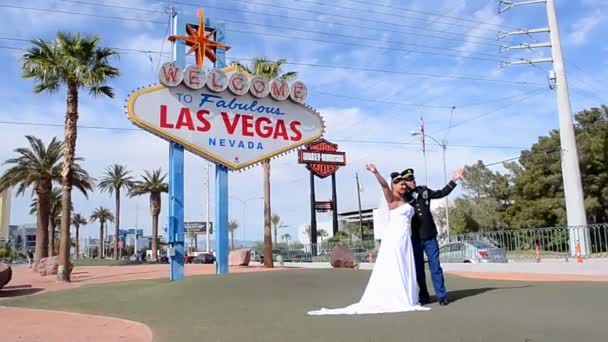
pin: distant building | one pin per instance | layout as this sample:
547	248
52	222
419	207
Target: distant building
349	220
5	215
23	237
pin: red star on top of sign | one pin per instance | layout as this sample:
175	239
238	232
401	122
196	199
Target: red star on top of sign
200	41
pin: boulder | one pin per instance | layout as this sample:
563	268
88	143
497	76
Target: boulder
239	257
342	257
6	273
50	266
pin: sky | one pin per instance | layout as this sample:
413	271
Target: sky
372	71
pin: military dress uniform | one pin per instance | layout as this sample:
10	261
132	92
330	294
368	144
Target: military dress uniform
424	237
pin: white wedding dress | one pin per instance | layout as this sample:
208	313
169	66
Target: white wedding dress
392	285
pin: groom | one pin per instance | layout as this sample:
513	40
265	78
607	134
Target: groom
424	234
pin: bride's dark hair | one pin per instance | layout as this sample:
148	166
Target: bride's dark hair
396	177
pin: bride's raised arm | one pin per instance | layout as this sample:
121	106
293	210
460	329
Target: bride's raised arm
383	184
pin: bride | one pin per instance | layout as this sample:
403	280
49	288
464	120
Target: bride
392	285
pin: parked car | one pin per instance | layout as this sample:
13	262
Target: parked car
204	258
360	254
472	251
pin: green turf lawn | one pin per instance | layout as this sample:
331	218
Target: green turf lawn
271	307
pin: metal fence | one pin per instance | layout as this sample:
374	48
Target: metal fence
554	242
320	252
519	244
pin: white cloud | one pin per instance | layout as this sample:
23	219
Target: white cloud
582	29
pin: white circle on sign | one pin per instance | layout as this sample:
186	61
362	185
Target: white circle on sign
217	80
259	86
279	89
238	83
194	77
170	74
298	92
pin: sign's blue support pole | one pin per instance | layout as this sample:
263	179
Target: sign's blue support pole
221	178
221	219
176	178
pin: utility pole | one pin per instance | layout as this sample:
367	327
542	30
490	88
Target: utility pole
573	190
359	200
444	146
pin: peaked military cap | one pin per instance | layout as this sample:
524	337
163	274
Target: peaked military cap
408	174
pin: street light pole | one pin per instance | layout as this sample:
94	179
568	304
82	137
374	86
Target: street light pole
244	204
444	145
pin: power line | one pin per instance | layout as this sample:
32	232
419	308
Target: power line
369	46
517	158
501	161
26	123
301	38
83	14
359	37
115	6
284	27
412	143
232	10
346	16
472	78
526	97
114	48
349	68
427	13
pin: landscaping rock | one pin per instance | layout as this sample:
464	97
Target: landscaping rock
239	257
6	274
342	257
50	266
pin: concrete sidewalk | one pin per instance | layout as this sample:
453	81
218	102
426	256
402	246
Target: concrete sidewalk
585	268
596	267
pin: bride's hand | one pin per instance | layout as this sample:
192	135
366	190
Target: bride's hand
371	168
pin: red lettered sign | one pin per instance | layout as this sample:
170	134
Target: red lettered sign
322	158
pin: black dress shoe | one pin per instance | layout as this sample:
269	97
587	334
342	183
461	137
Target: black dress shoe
444	302
424	300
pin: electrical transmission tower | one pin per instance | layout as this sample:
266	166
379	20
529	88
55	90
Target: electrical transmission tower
573	190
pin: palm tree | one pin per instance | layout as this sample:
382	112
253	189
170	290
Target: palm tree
232	226
275	219
77	221
101	215
286	237
54	216
114	179
75	62
322	234
269	70
154	184
38	166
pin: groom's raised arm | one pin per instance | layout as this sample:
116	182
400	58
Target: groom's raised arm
434	194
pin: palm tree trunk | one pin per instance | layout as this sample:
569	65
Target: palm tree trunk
232	239
155	206
276	239
154	237
51	237
117	225
69	152
100	249
42	227
77	243
268	262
